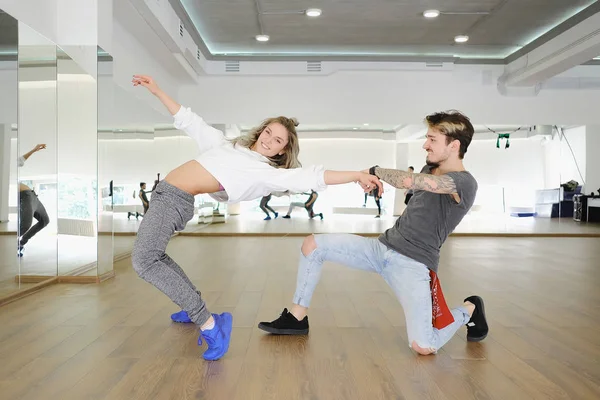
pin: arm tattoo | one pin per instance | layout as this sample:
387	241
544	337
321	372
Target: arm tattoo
443	184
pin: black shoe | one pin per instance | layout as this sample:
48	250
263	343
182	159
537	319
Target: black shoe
477	327
286	324
286	217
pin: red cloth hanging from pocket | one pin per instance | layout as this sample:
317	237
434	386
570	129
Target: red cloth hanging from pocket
441	315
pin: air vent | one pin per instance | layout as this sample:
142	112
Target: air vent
313	66
180	29
232	66
434	64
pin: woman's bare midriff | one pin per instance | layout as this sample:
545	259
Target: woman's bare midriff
193	178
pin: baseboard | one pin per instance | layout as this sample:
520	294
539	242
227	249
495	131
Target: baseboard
27	292
125	234
78	279
43	281
370	234
528	235
76	273
122	256
33	278
106	276
82	270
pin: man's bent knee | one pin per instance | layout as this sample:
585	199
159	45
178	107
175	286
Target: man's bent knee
424	351
309	245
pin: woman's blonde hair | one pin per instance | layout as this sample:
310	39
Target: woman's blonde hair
289	158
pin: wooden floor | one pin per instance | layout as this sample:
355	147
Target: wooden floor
41	258
115	340
252	224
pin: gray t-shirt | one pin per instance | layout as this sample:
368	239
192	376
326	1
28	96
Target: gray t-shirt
428	220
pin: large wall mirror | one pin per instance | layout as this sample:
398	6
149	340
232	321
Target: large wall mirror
36	152
77	168
9	261
55	188
105	178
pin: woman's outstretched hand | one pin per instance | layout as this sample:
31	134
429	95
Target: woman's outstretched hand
369	182
147	82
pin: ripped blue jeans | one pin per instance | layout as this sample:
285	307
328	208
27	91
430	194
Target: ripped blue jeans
408	278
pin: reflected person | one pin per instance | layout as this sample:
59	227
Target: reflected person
30	207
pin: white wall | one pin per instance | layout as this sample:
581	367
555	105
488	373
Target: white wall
119	108
561	163
77	124
71	24
37	124
384	97
132	57
132	161
42	20
348	155
519	170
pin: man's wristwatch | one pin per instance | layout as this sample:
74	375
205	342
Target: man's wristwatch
372	170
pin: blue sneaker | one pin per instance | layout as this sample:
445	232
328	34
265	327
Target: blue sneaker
181	317
218	337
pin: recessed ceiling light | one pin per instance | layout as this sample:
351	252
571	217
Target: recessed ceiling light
355	128
461	38
313	12
366	124
262	38
431	14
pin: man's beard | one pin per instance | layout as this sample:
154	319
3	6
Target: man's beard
432	164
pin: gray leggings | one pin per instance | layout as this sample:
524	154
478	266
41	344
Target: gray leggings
31	207
171	208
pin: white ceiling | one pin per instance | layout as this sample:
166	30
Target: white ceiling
371	28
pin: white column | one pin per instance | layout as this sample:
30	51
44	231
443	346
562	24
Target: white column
592	159
4	170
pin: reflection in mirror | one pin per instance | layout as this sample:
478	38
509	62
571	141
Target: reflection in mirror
129	152
127	138
37	152
9	264
105	180
77	168
180	148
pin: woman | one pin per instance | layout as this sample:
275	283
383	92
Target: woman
30	207
264	205
245	168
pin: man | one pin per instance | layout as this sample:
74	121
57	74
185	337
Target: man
407	255
308	206
30	207
142	195
377	196
409	192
